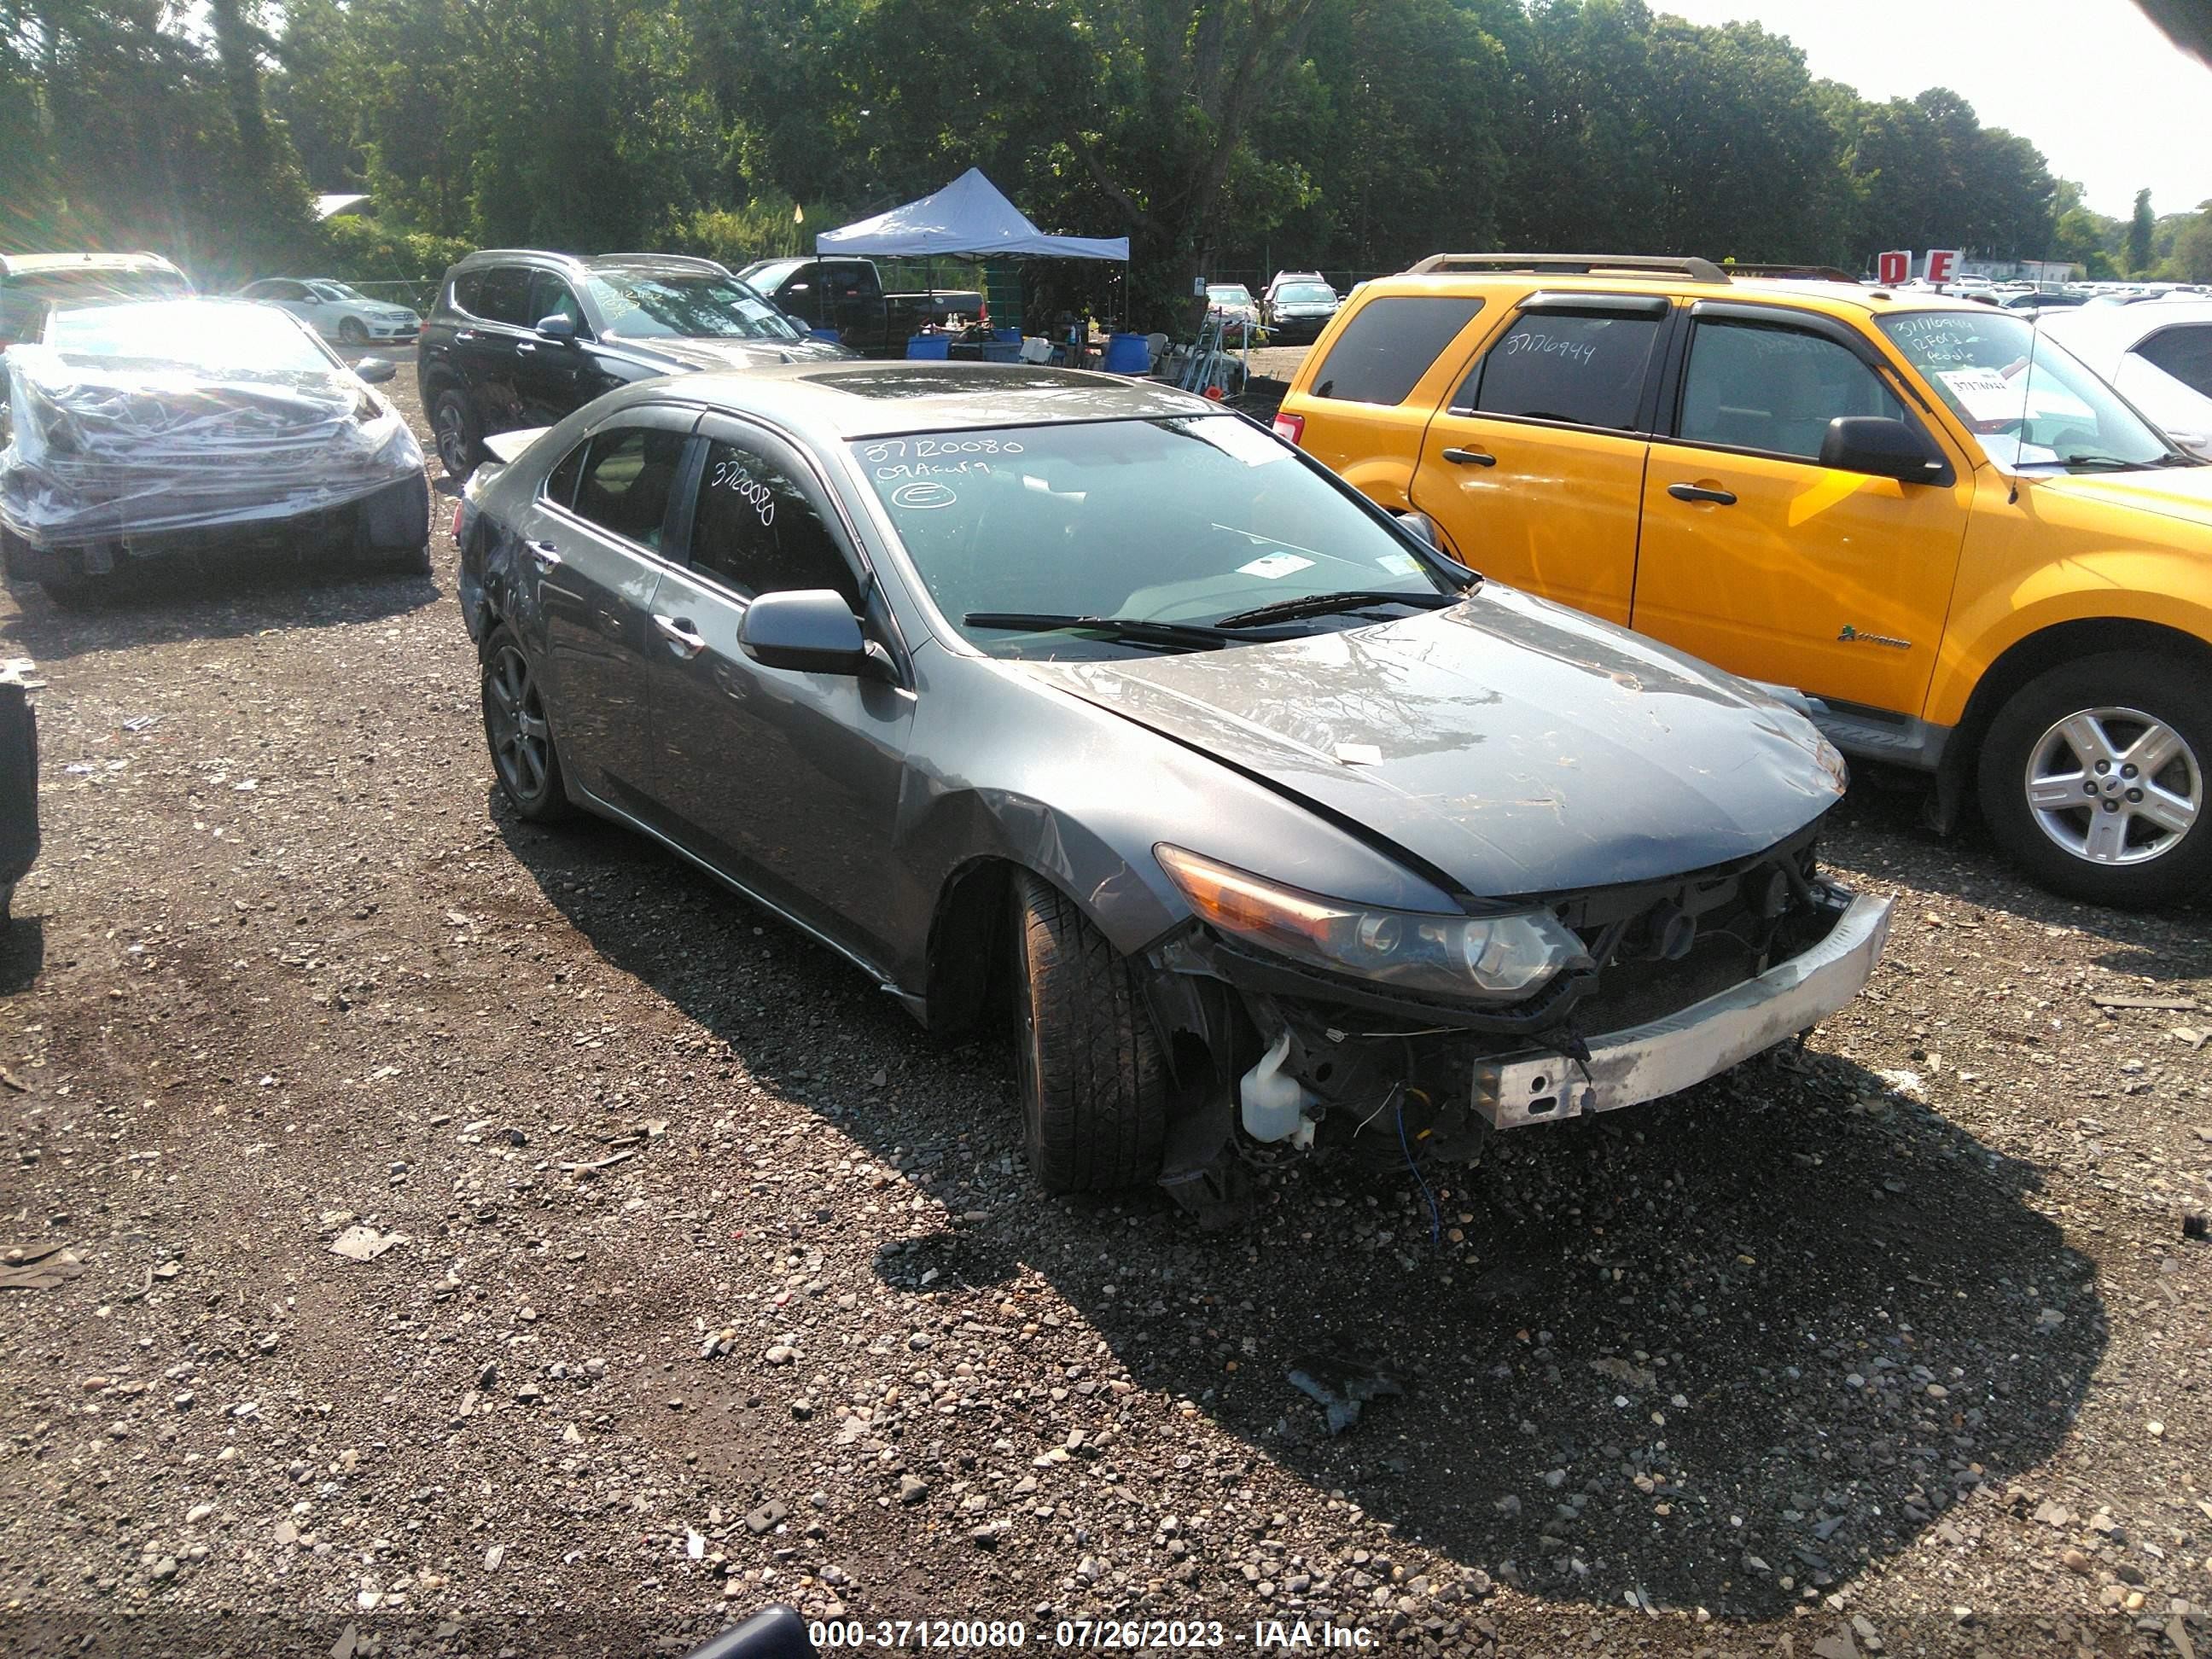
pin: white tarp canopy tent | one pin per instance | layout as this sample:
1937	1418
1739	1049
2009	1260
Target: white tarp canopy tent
968	217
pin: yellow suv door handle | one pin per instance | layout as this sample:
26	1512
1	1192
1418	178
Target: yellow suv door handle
1469	457
1690	492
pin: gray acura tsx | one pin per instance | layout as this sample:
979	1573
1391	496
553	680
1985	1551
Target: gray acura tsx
1082	698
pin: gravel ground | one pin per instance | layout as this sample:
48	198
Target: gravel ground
706	1279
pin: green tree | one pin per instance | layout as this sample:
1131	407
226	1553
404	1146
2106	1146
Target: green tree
2139	235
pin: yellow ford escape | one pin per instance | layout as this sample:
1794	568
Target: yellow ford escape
1967	553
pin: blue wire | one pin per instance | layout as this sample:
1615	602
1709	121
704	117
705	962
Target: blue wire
1436	1220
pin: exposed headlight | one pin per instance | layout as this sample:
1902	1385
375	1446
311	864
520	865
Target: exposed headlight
1503	958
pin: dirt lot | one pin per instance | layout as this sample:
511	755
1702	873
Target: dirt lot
720	1283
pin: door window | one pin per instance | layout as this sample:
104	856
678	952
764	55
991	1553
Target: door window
1389	344
1750	386
1587	370
756	532
505	296
627	480
2185	353
551	297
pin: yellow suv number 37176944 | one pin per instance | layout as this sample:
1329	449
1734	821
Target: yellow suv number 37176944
1969	554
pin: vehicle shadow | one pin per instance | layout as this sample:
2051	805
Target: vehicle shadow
166	604
1721	1351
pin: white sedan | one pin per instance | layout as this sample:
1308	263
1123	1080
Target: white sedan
2157	353
337	311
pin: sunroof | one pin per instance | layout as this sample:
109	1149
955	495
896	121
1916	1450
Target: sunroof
947	380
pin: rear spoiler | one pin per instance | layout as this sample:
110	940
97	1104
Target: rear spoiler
505	447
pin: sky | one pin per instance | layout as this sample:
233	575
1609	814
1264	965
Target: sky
2094	84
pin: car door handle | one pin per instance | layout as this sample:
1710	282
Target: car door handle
1690	492
682	639
547	556
463	335
1470	458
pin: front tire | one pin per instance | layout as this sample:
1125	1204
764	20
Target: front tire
351	332
524	756
2094	779
460	445
1094	1084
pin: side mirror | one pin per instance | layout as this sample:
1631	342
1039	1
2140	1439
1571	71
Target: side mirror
375	370
1879	447
812	630
559	326
1422	525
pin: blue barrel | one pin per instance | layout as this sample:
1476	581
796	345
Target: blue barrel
1012	336
1127	354
936	347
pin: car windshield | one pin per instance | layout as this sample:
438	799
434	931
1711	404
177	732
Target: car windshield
1305	294
216	338
686	307
339	291
1229	293
2058	416
1182	521
770	276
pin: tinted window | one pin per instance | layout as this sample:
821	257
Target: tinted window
551	297
1387	345
1556	366
468	292
1774	389
2184	353
627	480
560	483
505	296
755	532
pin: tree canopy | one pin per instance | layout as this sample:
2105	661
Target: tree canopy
1220	135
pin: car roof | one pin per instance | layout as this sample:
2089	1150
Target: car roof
668	265
837	402
44	264
1824	294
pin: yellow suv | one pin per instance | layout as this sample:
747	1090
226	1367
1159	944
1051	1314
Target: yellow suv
1965	552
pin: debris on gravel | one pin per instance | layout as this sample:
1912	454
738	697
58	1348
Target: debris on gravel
722	1284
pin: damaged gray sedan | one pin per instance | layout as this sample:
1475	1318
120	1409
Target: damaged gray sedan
1272	825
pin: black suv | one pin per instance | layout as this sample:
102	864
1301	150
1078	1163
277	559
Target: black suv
520	338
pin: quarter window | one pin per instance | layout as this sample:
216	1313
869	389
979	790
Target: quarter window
1560	366
1389	344
627	480
756	532
560	483
1774	389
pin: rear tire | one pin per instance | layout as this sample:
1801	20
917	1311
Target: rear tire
460	444
1094	1084
2097	778
524	757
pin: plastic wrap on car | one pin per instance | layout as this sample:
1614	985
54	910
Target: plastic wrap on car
107	449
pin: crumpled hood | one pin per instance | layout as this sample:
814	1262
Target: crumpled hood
710	354
1516	746
2178	492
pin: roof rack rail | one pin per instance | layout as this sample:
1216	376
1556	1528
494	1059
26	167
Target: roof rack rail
1584	264
1815	273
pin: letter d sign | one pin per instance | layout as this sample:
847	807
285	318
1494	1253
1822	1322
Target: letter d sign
1892	268
1942	265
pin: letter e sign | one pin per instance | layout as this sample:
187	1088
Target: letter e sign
1942	265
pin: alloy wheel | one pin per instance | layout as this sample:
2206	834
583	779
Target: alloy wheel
514	720
2114	786
453	441
351	332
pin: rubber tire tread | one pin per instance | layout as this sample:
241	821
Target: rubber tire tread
2177	692
471	436
1095	1085
556	806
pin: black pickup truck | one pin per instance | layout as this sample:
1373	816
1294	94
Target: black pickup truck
848	296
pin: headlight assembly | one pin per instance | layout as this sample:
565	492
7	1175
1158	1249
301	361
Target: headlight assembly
1503	957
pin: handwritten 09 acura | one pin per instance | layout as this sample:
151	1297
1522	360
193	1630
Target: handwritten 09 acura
1270	823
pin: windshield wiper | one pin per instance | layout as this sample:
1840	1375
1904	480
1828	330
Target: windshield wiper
2096	463
1330	605
1195	635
